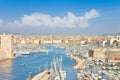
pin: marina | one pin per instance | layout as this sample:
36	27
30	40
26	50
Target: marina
23	67
58	62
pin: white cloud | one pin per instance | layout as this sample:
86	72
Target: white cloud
70	20
92	14
1	22
14	23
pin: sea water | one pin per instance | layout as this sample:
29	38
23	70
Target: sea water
22	67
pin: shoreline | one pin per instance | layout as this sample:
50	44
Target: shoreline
4	59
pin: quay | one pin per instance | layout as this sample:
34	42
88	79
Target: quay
79	62
45	75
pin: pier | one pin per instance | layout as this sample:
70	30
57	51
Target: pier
45	75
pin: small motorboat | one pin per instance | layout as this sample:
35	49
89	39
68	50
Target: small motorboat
22	64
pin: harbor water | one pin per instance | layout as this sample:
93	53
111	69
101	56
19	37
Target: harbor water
22	67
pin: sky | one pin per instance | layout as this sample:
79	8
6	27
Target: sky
60	17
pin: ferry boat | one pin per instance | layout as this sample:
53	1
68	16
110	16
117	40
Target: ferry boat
22	53
25	53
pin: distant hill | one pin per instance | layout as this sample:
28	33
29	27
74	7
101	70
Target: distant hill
118	33
113	34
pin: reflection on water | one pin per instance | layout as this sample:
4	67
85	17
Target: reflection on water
6	69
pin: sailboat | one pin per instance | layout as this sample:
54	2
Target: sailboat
59	73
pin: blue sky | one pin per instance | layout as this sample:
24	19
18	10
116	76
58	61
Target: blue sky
60	17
